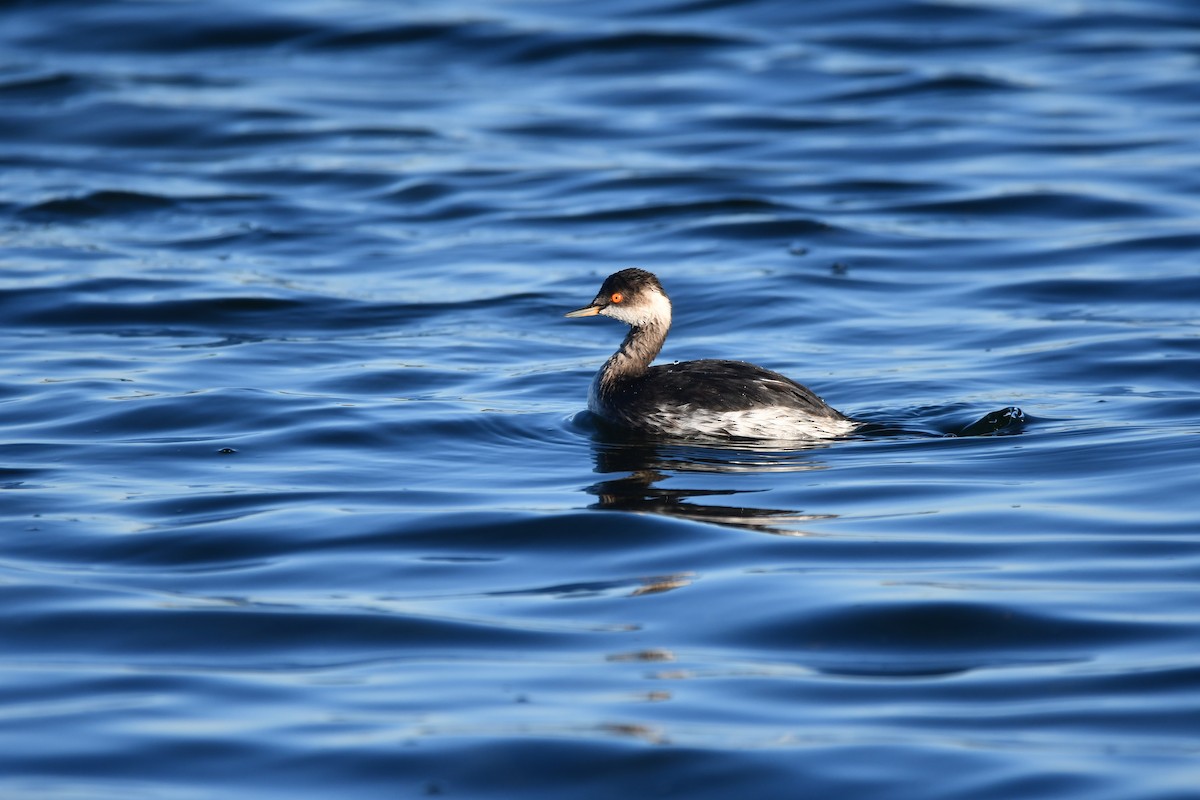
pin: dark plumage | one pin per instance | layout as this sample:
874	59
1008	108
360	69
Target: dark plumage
709	397
721	385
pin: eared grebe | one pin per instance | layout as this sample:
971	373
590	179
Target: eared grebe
707	398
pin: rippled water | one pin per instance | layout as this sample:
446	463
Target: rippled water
300	498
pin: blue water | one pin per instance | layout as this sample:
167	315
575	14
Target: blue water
298	492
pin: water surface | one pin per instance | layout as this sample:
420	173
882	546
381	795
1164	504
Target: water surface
300	498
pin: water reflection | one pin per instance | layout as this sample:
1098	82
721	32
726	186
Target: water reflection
644	465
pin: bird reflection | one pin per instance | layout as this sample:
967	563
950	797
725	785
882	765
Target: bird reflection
645	464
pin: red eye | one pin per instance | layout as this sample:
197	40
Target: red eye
617	297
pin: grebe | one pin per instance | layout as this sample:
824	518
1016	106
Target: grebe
706	398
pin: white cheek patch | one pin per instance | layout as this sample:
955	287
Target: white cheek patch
650	308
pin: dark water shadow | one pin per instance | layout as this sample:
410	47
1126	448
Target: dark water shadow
945	421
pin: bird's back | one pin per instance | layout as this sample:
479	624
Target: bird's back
720	398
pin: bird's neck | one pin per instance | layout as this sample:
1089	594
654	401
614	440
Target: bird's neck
633	357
